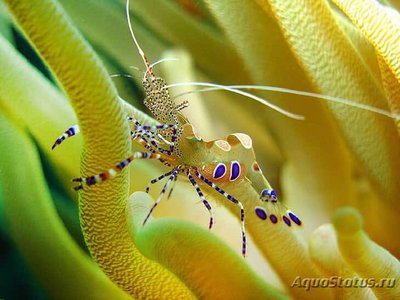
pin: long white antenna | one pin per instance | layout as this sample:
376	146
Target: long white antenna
158	62
163	60
121	75
303	93
323	97
149	70
236	91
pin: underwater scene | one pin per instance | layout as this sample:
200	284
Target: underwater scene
199	149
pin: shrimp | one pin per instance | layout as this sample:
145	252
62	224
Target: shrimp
207	164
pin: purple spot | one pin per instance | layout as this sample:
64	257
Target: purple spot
219	171
286	220
260	212
294	218
235	171
91	180
273	219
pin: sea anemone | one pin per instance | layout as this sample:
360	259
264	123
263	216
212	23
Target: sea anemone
337	168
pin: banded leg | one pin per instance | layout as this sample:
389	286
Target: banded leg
201	195
152	147
153	181
172	187
173	139
73	130
159	149
233	200
151	128
165	163
149	147
91	180
171	144
144	143
174	173
151	135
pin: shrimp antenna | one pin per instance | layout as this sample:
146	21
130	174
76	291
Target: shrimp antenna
141	71
158	62
347	102
237	91
121	75
149	69
163	60
301	93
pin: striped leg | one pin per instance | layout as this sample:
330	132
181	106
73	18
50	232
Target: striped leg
200	193
149	134
73	130
232	199
91	180
153	147
170	179
152	135
157	180
171	143
150	129
134	121
142	141
154	144
150	146
173	139
164	162
172	187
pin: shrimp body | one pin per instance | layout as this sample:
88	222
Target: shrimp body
207	164
216	163
233	157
